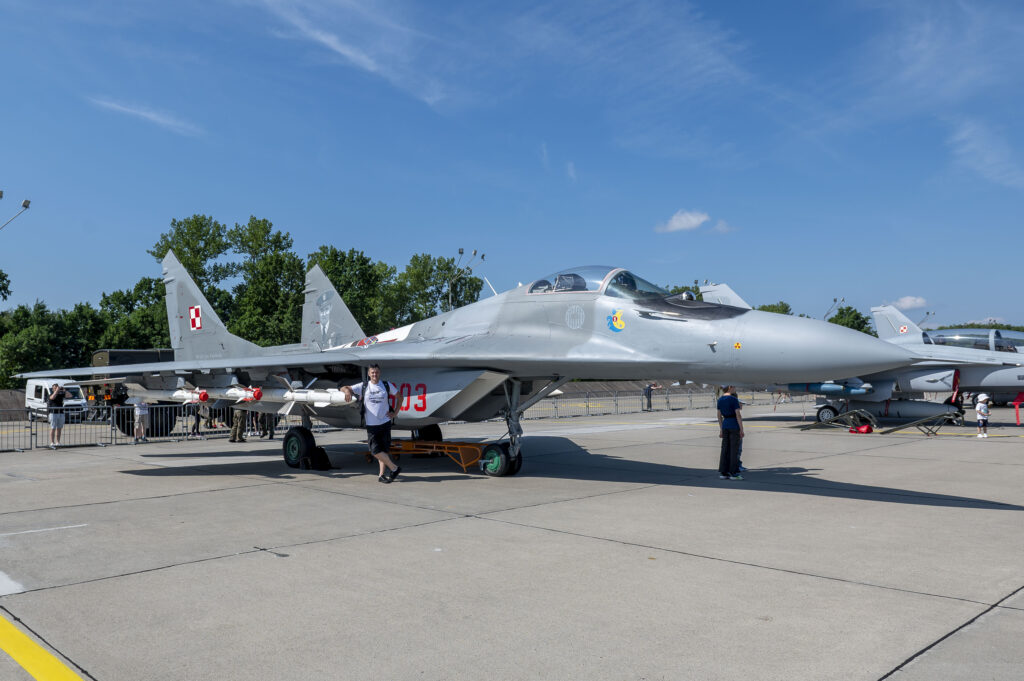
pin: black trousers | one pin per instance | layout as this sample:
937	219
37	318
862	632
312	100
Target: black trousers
729	460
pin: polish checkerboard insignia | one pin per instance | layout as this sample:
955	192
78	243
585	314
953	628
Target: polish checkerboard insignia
195	317
903	329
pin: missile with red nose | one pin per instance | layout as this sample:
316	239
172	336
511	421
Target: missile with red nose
238	393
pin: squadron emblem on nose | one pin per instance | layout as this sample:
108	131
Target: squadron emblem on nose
615	321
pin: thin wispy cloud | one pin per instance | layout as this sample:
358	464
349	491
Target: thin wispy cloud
637	60
544	155
570	171
626	48
909	303
926	57
162	119
978	148
367	40
683	221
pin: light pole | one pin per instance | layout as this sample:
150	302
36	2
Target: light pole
24	207
835	302
461	271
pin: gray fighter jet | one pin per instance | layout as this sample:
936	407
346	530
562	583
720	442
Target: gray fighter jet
982	360
495	357
950	360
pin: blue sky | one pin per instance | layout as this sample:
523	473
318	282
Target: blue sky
799	151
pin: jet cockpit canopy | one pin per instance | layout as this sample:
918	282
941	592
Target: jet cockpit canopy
978	339
612	281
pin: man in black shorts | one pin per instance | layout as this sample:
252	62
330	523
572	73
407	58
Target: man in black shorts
379	415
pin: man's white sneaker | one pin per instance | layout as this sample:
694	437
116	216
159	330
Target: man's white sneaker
980	435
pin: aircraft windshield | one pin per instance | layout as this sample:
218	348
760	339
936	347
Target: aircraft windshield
587	278
627	285
621	283
961	338
980	339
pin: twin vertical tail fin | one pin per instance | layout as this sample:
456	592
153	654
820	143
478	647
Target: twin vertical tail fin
326	320
198	333
893	326
723	295
196	330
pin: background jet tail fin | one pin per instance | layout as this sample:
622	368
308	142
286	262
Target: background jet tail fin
893	326
723	295
326	320
196	330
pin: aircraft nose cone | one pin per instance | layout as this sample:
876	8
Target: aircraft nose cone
813	350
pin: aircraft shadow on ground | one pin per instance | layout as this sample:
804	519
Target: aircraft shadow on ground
554	457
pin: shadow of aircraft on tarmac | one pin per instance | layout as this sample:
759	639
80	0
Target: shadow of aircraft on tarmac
560	458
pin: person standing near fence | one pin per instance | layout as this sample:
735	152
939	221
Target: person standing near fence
730	424
267	425
649	393
55	413
193	408
238	426
141	422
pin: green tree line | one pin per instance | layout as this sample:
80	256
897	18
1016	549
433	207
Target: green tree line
251	275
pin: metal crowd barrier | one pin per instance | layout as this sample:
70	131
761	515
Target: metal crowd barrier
632	401
16	431
104	426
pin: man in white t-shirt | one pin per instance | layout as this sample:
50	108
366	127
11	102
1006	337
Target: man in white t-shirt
378	415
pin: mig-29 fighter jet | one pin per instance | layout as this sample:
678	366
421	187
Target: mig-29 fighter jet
493	358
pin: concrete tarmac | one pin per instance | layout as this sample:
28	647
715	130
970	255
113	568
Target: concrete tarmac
616	553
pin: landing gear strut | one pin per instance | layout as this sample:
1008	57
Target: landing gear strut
506	458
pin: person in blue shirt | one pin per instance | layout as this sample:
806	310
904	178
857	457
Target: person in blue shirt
730	424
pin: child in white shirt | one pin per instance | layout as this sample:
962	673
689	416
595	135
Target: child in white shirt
983	411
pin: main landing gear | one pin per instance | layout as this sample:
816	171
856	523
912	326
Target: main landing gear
496	459
300	450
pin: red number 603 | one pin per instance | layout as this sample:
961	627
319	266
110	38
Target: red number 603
405	393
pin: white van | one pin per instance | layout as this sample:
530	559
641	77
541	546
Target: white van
37	389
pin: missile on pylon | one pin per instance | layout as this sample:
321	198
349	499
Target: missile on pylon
316	398
238	393
828	389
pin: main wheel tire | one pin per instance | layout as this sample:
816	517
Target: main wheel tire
826	413
494	460
431	433
298	444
